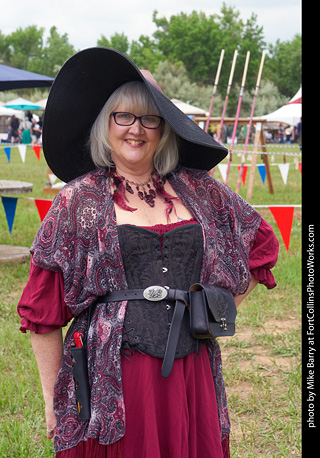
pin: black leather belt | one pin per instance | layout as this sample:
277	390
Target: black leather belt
157	293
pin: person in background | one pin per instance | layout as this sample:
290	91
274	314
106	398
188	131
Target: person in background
25	127
281	133
36	131
139	208
13	134
288	134
299	133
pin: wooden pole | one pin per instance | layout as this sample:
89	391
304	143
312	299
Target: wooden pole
267	166
238	113
228	92
250	122
214	89
259	141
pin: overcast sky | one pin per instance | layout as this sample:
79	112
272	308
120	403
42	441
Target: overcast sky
86	21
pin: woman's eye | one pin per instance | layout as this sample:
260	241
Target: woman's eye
124	116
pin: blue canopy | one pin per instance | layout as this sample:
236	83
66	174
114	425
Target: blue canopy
14	78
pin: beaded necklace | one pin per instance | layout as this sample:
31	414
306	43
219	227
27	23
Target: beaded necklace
152	187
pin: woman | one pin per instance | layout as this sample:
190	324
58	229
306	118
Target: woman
134	214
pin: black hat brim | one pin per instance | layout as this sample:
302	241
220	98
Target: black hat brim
79	92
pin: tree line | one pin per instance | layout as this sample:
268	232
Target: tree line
183	55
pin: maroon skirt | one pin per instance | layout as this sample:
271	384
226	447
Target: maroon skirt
174	417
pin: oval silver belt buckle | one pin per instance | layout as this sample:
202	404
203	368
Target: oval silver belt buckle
155	293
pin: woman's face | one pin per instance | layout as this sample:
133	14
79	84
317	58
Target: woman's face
133	146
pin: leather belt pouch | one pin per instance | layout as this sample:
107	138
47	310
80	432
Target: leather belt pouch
80	376
212	311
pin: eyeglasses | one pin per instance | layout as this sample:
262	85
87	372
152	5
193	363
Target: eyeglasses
123	118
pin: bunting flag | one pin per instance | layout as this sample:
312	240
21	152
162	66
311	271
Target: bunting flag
22	151
43	206
262	172
244	173
7	150
284	170
223	170
36	148
283	216
9	204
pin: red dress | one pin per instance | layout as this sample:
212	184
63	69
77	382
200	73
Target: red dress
165	417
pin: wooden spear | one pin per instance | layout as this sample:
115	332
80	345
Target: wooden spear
237	114
250	122
214	89
228	92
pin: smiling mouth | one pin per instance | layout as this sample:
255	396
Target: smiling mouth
135	142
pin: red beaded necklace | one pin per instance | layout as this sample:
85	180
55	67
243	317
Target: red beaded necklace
150	189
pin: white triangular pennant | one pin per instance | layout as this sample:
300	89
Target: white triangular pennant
284	170
52	178
223	170
22	151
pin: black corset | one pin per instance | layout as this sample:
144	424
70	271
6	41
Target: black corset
174	260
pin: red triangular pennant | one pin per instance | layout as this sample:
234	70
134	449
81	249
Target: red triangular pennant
244	173
36	149
284	218
43	206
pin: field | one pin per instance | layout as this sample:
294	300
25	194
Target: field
262	362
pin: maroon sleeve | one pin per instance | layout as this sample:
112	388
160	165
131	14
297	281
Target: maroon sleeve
264	255
41	306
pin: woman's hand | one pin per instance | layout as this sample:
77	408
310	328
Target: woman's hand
51	421
253	284
48	350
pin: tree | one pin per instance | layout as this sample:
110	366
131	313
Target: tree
197	40
118	41
56	52
268	100
173	80
145	54
192	39
284	65
4	49
24	47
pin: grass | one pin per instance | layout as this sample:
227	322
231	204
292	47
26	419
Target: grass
262	362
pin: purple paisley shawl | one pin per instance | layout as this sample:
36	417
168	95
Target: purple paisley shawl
79	238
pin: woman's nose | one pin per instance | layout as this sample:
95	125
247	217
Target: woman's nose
136	127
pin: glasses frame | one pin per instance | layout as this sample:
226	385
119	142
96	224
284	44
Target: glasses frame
114	114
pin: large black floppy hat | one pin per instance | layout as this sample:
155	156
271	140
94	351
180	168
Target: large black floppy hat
78	93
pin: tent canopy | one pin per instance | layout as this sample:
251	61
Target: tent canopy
14	78
188	109
10	111
22	104
290	113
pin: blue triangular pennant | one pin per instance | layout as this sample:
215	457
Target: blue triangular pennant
262	171
7	150
9	204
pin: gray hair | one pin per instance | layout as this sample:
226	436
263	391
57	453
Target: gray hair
136	97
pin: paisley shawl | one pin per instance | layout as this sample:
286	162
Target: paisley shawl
79	238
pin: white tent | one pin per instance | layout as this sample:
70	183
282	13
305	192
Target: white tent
42	103
188	109
290	113
10	111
